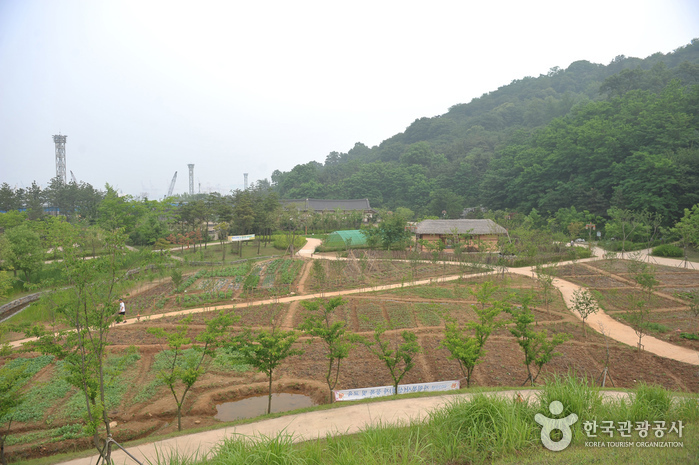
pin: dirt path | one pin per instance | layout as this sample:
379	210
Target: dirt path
288	322
620	331
614	329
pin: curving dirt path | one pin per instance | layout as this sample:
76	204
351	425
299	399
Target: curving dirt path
307	426
614	329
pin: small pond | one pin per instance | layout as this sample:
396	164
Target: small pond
256	406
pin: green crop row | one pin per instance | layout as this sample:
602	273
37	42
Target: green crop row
194	300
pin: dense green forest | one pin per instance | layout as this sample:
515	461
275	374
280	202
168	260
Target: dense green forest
590	136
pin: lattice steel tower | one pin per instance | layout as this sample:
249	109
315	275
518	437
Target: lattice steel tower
191	178
245	180
60	142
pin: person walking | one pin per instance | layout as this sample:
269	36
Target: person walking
122	309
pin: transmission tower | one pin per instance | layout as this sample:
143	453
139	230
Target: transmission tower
245	180
60	142
191	178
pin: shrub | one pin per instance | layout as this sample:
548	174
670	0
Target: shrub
667	250
281	242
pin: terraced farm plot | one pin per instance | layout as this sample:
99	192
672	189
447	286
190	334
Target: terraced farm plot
615	300
369	315
598	281
428	314
400	315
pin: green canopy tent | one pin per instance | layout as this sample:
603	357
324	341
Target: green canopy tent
341	239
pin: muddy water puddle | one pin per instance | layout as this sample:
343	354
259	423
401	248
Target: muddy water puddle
256	406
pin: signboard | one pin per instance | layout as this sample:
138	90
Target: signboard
247	237
381	391
429	387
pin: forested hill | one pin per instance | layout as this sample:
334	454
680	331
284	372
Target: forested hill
590	136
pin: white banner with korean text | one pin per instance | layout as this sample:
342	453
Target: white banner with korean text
381	391
247	237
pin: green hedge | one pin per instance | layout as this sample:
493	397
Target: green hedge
281	242
667	250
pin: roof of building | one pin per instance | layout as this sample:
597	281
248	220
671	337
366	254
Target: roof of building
329	205
354	237
462	227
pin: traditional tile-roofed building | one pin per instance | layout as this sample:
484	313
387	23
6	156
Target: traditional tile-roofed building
320	206
475	233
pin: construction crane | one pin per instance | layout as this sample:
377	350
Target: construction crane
172	185
73	176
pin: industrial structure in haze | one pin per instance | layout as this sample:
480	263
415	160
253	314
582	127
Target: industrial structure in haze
245	180
60	142
191	178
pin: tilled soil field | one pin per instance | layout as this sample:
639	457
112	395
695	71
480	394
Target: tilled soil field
142	406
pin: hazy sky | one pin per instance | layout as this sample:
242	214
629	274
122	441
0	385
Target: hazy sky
142	88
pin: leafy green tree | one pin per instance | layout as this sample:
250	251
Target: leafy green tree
538	348
116	212
396	355
9	199
688	227
25	252
184	367
265	350
11	219
390	233
585	305
334	335
34	201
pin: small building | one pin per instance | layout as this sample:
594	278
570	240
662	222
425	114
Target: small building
476	234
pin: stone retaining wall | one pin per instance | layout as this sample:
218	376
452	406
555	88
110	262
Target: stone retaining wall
10	306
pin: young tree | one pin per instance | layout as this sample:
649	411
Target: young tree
544	278
184	367
397	355
265	350
467	349
88	307
585	305
693	298
11	381
638	317
222	230
537	347
338	341
622	223
291	222
651	222
319	274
